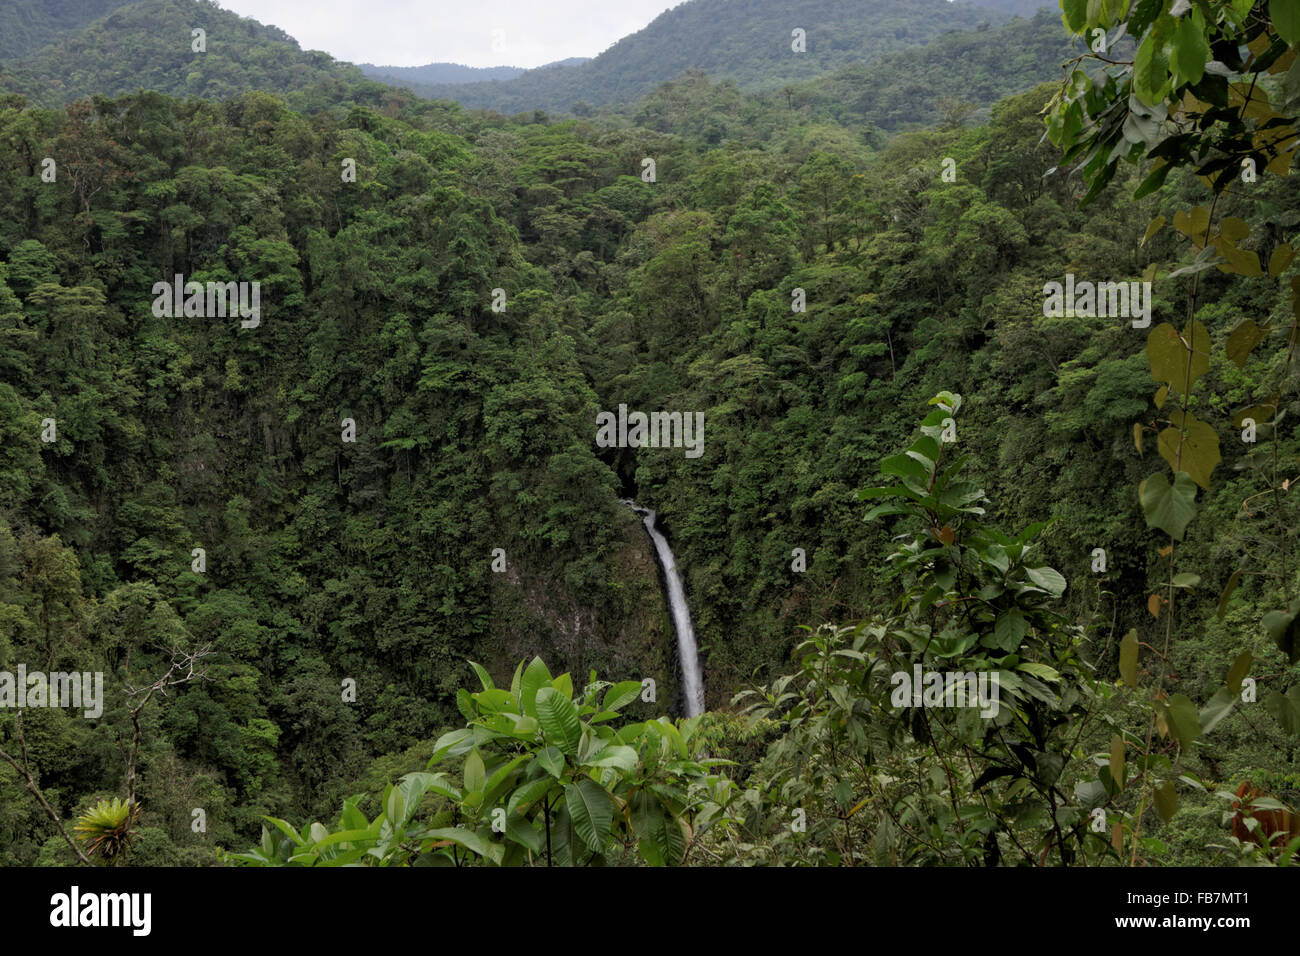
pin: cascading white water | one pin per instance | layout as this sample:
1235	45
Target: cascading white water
687	652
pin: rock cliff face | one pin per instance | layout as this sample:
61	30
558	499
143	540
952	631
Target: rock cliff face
628	635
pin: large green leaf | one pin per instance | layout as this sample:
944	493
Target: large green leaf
1284	628
1190	48
1009	629
1245	337
1169	507
528	794
615	755
662	842
1166	800
1286	708
1185	721
1238	671
524	833
1219	707
1285	15
592	812
1151	79
469	840
475	773
1075	14
483	677
621	694
1128	659
535	677
551	759
1191	445
1048	579
559	719
1179	359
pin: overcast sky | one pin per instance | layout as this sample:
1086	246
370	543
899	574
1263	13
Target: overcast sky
415	32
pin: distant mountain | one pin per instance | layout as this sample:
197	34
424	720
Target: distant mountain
27	25
447	73
1020	8
148	45
955	79
749	42
977	66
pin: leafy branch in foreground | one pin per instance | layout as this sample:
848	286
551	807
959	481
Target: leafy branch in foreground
545	779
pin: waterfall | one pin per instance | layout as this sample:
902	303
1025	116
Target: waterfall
687	652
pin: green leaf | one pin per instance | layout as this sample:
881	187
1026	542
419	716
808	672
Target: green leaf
1128	658
662	842
536	676
929	450
495	700
475	775
1243	339
591	811
1179	359
559	719
1186	580
1041	671
904	466
1226	596
1151	80
1190	49
1186	722
621	694
551	759
528	794
519	830
1117	760
1009	629
1192	446
564	684
1166	800
1285	15
1048	579
1169	508
616	756
483	677
1286	709
1284	627
1220	706
1238	671
466	838
1155	179
501	778
1075	14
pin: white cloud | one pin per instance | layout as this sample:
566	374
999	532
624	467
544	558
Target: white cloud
415	32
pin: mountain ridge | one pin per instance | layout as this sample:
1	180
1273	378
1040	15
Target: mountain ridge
457	73
751	43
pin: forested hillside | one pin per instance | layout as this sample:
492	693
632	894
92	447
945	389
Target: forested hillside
27	25
371	546
150	45
750	42
434	73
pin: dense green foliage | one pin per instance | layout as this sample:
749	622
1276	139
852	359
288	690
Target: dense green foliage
750	43
27	25
148	45
922	259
